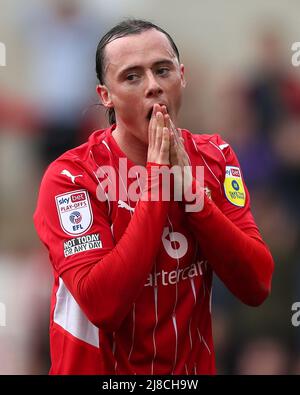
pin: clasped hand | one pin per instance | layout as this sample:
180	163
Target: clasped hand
166	146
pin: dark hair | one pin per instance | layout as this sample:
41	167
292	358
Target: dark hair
123	29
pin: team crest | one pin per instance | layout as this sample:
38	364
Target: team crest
234	187
74	212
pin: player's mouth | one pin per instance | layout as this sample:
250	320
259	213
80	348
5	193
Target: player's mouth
149	114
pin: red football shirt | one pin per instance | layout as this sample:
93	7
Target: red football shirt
133	281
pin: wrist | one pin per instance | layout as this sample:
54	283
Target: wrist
193	196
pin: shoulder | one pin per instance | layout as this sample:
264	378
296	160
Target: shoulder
79	159
73	171
212	147
71	177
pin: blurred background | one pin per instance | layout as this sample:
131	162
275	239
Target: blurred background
241	84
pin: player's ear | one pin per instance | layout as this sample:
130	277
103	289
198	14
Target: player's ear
104	95
182	76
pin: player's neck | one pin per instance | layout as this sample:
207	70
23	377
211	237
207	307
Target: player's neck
133	148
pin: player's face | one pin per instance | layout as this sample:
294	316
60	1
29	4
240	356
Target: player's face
141	70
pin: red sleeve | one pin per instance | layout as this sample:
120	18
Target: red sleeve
104	281
229	237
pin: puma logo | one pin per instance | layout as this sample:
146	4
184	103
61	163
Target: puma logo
122	204
222	146
68	174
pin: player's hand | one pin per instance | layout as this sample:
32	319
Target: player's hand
178	155
159	138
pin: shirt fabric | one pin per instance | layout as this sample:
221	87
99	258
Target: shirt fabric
133	280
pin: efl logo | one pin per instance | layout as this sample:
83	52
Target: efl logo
2	314
2	54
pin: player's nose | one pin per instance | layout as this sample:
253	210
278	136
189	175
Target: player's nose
153	88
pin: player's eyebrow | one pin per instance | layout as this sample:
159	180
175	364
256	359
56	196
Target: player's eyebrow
134	67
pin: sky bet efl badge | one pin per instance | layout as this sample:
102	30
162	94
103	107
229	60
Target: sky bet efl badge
233	186
74	212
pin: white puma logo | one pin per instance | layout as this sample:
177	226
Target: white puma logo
222	146
68	174
122	204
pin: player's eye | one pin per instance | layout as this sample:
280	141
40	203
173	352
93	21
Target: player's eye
132	77
163	71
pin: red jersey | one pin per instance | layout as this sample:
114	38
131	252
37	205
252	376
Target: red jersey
133	281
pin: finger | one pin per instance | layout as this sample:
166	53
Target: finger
173	144
181	143
159	132
152	131
171	127
165	146
173	150
172	141
182	156
160	119
156	108
168	122
177	132
164	110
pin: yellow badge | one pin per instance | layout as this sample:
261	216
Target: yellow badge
234	187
